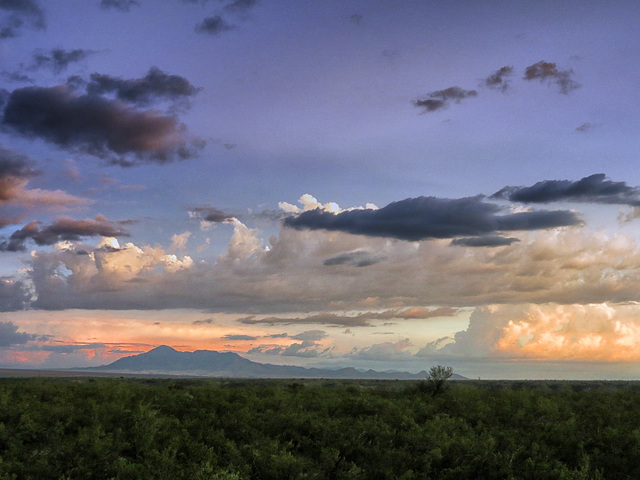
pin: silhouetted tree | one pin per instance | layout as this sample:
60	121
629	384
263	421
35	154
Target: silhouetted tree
438	375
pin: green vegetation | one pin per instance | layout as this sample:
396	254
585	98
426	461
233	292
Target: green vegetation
114	428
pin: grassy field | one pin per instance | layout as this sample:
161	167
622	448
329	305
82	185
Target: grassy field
131	428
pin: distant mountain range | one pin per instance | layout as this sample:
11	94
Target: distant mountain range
165	360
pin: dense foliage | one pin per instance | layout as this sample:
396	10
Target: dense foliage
113	428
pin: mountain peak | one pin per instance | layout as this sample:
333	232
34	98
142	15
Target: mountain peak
164	349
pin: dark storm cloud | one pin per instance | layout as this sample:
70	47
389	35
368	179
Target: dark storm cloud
211	214
499	80
9	335
213	26
122	5
592	189
363	319
16	14
310	335
547	71
94	125
208	321
358	258
14	295
239	337
14	77
63	228
240	5
155	85
440	99
585	127
331	319
15	172
13	166
422	218
486	241
58	59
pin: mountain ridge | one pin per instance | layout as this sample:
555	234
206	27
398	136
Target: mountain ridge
165	360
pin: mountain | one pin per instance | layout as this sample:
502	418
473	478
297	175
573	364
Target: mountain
165	360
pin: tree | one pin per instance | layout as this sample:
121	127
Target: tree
438	375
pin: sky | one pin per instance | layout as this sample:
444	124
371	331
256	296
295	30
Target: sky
367	183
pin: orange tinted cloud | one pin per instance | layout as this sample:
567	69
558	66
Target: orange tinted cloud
593	332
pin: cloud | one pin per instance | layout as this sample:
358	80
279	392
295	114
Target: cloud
122	5
210	214
499	80
311	335
213	26
13	77
14	295
179	242
9	335
385	351
17	13
306	349
208	321
16	171
563	265
358	258
591	332
58	59
592	189
239	337
423	218
14	165
630	215
330	319
63	228
547	71
309	202
362	319
441	99
585	127
241	5
484	241
94	125
155	85
309	346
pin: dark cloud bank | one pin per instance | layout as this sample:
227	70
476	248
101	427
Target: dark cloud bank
423	218
16	166
442	98
58	59
122	5
549	72
214	25
62	229
9	335
211	214
499	80
592	189
18	14
154	86
91	124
